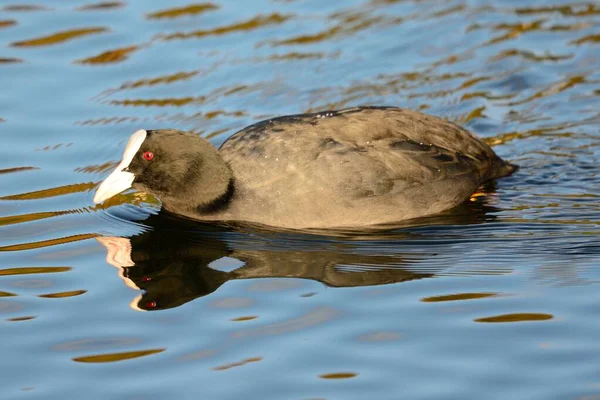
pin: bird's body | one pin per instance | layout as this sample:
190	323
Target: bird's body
349	168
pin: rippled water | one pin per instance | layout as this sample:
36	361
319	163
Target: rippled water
497	299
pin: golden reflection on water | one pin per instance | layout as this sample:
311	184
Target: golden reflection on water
251	24
54	147
59	37
167	102
494	80
556	88
110	120
554	131
7	22
580	10
348	24
16	169
25	7
47	243
457	297
339	375
19	319
245	318
517	317
107	5
95	169
165	79
191	9
587	39
9	60
111	56
19	219
529	56
115	357
237	364
52	192
61	295
33	270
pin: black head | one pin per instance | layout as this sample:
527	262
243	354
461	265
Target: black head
183	170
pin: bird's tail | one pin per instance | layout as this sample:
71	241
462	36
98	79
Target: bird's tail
504	169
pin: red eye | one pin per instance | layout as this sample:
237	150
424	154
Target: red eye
151	304
148	155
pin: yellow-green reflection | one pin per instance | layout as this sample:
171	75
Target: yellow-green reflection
33	270
114	357
566	10
7	22
109	120
556	88
24	7
19	219
111	56
169	102
55	147
339	375
192	9
587	39
136	198
160	80
237	364
53	192
16	169
517	317
347	25
529	56
245	318
59	37
295	55
48	243
251	24
7	294
19	319
457	297
98	169
61	295
9	60
107	5
510	136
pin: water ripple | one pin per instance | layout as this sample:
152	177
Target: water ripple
59	37
497	296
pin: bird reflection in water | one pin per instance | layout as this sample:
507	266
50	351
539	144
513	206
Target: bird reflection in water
171	263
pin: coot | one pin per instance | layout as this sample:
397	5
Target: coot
351	168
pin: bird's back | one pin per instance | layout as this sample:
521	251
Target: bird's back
354	167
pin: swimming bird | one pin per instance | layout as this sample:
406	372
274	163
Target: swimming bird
351	168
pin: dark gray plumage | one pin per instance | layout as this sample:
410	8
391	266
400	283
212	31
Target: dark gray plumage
353	168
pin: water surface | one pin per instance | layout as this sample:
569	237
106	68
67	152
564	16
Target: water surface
497	299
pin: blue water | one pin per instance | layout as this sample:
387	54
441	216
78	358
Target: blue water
497	299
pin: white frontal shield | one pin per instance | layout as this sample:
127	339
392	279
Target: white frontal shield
120	180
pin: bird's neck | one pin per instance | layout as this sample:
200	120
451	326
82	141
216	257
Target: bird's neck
219	203
206	189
